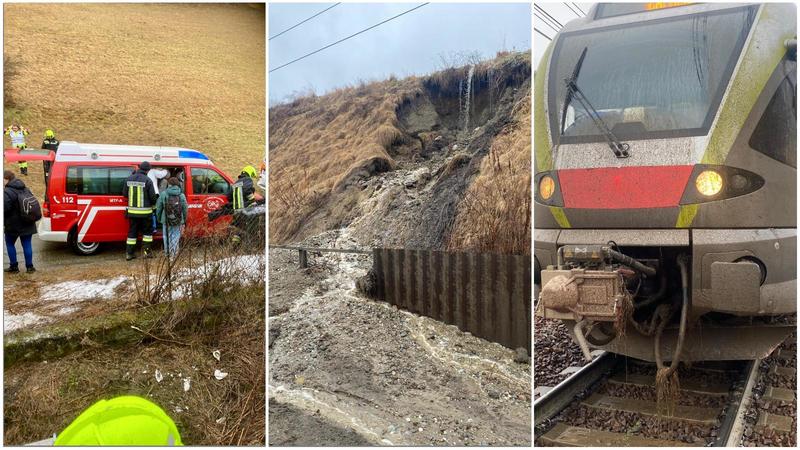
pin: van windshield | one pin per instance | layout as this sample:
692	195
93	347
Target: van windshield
662	78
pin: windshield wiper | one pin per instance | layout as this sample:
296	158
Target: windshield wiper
620	149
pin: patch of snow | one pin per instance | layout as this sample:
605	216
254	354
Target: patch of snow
244	267
13	322
77	291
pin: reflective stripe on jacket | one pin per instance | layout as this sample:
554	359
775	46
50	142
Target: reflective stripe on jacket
141	195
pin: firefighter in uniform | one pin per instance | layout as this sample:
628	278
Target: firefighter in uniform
242	195
141	195
50	142
17	135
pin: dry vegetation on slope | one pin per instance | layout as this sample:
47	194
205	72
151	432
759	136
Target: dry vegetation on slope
188	75
328	156
495	214
315	142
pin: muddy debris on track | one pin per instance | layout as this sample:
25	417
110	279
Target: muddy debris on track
389	376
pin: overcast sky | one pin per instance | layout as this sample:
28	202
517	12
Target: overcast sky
409	45
559	12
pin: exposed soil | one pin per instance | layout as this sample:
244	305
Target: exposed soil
306	429
389	376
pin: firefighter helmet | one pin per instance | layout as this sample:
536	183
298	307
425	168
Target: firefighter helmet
125	420
250	171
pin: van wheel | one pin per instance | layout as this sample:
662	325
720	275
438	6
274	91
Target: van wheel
82	248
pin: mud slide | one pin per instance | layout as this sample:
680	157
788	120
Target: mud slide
374	374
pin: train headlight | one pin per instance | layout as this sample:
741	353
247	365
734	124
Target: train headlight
547	187
708	183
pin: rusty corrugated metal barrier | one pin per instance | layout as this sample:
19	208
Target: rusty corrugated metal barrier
488	295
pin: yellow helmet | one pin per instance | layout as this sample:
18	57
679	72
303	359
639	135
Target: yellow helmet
250	171
125	420
49	134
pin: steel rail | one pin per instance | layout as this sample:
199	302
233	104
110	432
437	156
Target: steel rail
555	400
732	426
321	250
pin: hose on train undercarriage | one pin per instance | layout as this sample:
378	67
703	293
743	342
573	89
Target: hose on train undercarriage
667	384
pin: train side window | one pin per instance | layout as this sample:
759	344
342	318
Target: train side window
776	132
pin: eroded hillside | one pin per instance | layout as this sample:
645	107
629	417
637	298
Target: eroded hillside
441	161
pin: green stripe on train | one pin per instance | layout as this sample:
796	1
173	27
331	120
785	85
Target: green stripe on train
763	53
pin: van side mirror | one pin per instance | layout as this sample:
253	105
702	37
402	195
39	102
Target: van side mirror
791	49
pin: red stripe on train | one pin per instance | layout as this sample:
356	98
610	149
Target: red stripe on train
623	187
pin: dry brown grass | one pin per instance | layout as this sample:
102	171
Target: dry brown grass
42	398
316	141
224	310
187	75
495	214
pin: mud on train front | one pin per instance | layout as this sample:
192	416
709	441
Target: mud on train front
666	163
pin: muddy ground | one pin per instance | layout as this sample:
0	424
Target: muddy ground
364	372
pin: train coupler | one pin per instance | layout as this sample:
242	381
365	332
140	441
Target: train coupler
576	294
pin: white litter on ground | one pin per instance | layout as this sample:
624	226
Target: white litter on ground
219	375
216	354
77	291
159	376
13	322
187	384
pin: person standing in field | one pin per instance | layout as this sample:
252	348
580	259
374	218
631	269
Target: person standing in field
141	195
17	224
50	142
172	210
17	135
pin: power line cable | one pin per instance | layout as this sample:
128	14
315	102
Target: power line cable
570	8
546	36
546	20
348	37
579	8
541	10
536	13
304	21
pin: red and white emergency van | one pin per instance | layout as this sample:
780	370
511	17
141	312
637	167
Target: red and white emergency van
83	203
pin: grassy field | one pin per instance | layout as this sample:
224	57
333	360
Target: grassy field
188	75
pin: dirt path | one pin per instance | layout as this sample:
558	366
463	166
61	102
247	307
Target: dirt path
391	377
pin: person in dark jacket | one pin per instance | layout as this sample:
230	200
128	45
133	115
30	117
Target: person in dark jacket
141	195
172	233
50	142
242	195
15	225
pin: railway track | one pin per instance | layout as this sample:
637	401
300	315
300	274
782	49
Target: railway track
611	402
772	417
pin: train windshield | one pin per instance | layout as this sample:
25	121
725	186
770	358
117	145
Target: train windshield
656	79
